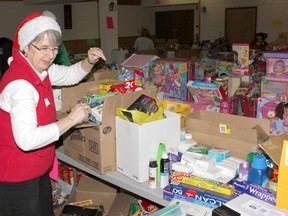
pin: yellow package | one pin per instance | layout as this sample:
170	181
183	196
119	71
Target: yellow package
282	187
145	109
179	108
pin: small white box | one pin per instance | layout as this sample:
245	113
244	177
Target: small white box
137	144
247	205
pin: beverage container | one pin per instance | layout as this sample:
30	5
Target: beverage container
244	170
161	149
164	170
254	151
186	143
257	173
153	173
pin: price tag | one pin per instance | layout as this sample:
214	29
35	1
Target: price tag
224	128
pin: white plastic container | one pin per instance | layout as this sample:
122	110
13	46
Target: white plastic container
187	143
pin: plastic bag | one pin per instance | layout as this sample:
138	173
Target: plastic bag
145	109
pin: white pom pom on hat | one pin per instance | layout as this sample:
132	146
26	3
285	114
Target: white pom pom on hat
32	26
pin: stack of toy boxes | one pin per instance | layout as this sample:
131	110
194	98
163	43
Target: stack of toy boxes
273	104
170	76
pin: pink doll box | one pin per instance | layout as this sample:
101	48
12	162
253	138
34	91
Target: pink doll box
241	61
276	66
274	90
206	92
271	110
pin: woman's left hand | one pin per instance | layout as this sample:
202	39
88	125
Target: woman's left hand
94	54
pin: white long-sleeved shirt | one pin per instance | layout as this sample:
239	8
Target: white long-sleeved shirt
20	99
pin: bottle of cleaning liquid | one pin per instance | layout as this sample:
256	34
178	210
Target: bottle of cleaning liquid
187	143
161	149
254	151
258	171
164	170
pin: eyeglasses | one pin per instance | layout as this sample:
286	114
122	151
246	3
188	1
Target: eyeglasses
47	50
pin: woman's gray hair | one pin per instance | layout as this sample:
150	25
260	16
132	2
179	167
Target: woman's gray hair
54	37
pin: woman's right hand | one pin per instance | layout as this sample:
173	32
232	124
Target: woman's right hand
80	113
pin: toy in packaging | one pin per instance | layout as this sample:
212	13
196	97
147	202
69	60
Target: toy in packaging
170	76
138	62
267	109
274	90
240	59
276	66
204	91
204	68
224	68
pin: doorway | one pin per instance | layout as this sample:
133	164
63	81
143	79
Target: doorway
175	25
240	24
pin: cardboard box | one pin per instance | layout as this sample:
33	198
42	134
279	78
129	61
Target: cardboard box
137	144
276	148
90	144
235	133
100	193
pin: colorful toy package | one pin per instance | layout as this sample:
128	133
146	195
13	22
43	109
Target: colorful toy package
274	90
240	59
276	66
223	68
204	68
204	91
274	112
170	76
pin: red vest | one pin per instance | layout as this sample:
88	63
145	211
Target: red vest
17	165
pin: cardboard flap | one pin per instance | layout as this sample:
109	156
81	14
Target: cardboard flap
273	147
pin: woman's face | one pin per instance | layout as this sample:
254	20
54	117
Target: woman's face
40	61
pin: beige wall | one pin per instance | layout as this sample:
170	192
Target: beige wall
272	17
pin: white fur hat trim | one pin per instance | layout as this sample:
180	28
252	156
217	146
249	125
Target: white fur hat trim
34	27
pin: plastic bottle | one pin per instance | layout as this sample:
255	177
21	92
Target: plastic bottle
164	170
187	143
153	173
161	149
254	151
258	171
244	170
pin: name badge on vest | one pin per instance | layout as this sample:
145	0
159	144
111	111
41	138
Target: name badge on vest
47	103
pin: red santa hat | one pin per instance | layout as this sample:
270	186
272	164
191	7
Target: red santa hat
32	26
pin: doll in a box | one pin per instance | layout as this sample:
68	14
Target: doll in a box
276	64
282	113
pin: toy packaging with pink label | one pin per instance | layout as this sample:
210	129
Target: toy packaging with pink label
276	66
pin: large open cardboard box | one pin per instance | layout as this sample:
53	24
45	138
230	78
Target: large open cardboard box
235	133
90	189
276	148
90	144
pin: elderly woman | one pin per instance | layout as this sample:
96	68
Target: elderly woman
28	117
